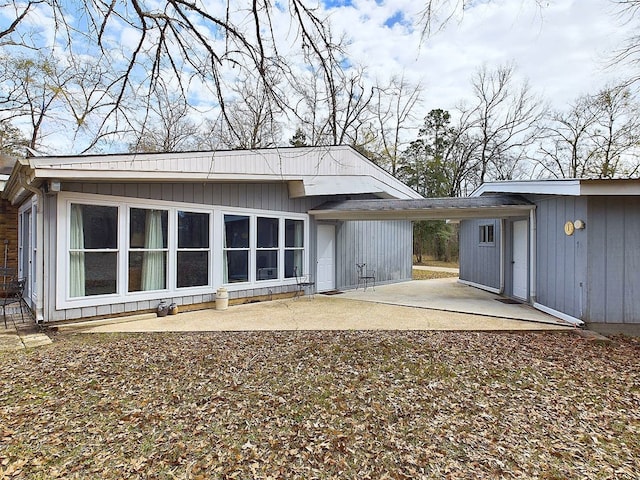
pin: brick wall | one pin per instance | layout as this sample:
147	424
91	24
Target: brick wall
8	231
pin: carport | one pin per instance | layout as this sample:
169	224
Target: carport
497	206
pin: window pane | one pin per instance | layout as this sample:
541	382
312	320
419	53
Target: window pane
293	258
267	265
147	271
236	231
193	230
193	269
293	233
101	271
98	227
237	266
148	228
267	232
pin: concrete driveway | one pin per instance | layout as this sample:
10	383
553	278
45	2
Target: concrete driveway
405	306
447	294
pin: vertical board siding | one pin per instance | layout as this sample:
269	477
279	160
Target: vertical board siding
560	259
252	196
613	229
385	246
479	263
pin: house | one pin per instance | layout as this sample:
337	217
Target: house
574	254
104	235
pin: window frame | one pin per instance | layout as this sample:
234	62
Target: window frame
130	249
208	249
253	215
487	234
216	231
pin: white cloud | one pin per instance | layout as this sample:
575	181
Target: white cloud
561	48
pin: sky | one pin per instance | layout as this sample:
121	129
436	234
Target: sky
561	49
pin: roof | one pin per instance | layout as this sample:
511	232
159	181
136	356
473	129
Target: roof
309	171
492	206
569	186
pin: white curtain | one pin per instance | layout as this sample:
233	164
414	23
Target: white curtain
153	275
298	242
76	270
225	263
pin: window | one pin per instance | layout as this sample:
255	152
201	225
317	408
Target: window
147	249
267	248
487	234
193	249
236	249
259	248
294	247
93	250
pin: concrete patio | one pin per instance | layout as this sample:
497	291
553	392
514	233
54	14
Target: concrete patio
441	304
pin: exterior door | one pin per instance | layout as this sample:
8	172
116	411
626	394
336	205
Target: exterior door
26	250
326	271
520	260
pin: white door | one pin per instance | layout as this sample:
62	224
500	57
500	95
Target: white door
26	248
326	271
520	260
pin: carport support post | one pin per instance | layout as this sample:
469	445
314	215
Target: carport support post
532	256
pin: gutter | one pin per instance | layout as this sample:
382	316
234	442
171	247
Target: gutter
40	250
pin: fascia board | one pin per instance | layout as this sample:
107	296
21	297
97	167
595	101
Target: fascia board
425	214
543	187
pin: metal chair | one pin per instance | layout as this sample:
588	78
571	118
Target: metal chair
11	292
365	276
304	283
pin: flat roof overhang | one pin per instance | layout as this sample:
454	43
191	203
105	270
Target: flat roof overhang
489	206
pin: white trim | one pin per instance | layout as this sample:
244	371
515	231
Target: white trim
569	187
253	282
558	314
533	280
480	286
543	187
216	212
321	170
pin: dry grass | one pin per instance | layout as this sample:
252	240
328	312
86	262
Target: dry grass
323	405
430	274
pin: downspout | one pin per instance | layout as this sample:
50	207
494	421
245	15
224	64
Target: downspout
502	254
39	313
532	256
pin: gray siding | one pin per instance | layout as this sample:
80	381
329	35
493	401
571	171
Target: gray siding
385	246
375	239
561	259
271	196
613	229
479	263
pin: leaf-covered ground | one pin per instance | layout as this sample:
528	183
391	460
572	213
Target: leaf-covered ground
321	405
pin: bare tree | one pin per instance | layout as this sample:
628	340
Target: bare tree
617	136
629	53
165	126
596	137
252	117
394	113
503	120
437	14
31	91
51	94
332	97
192	42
